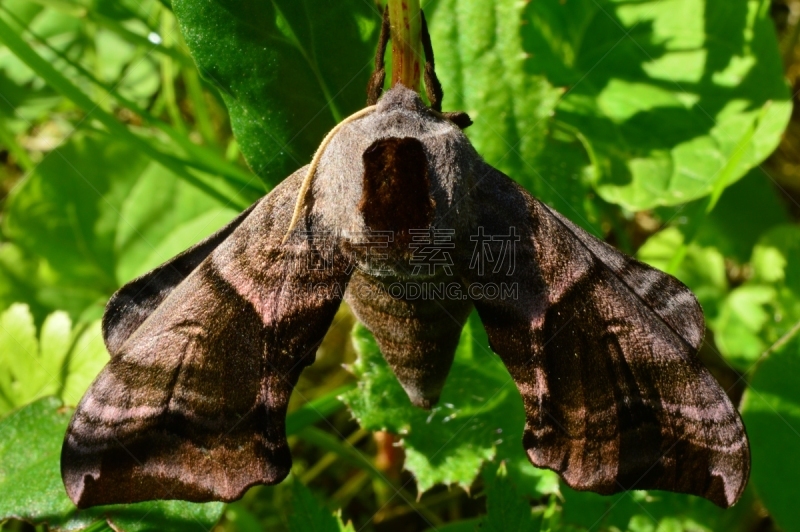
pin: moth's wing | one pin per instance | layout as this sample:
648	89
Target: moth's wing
603	350
133	303
193	405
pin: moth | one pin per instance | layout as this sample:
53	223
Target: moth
206	349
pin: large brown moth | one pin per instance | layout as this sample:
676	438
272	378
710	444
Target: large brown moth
206	349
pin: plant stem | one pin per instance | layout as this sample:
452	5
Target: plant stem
404	16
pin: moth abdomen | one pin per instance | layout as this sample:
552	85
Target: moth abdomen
416	329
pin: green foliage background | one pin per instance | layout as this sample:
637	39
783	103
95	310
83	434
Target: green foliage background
647	122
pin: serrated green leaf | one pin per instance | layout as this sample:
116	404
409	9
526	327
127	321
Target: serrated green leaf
30	363
771	412
30	481
665	132
58	360
479	417
288	70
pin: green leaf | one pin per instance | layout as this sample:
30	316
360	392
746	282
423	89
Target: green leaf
662	91
64	213
97	212
506	507
652	511
161	217
30	480
486	71
725	228
741	321
757	314
664	132
771	412
220	190
59	360
31	366
17	283
86	359
288	70
479	417
309	514
702	270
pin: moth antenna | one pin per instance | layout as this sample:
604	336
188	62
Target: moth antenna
375	85
433	88
459	118
312	169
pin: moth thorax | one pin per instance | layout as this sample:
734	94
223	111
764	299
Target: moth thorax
396	197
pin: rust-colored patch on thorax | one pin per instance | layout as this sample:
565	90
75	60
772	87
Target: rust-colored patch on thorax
396	190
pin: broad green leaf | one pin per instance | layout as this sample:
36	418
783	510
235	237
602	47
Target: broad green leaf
98	212
467	525
67	213
651	511
757	314
661	91
739	326
288	70
747	210
771	412
479	417
680	86
161	217
309	514
30	478
18	280
506	508
30	481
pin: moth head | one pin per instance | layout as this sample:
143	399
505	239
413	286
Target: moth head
401	97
